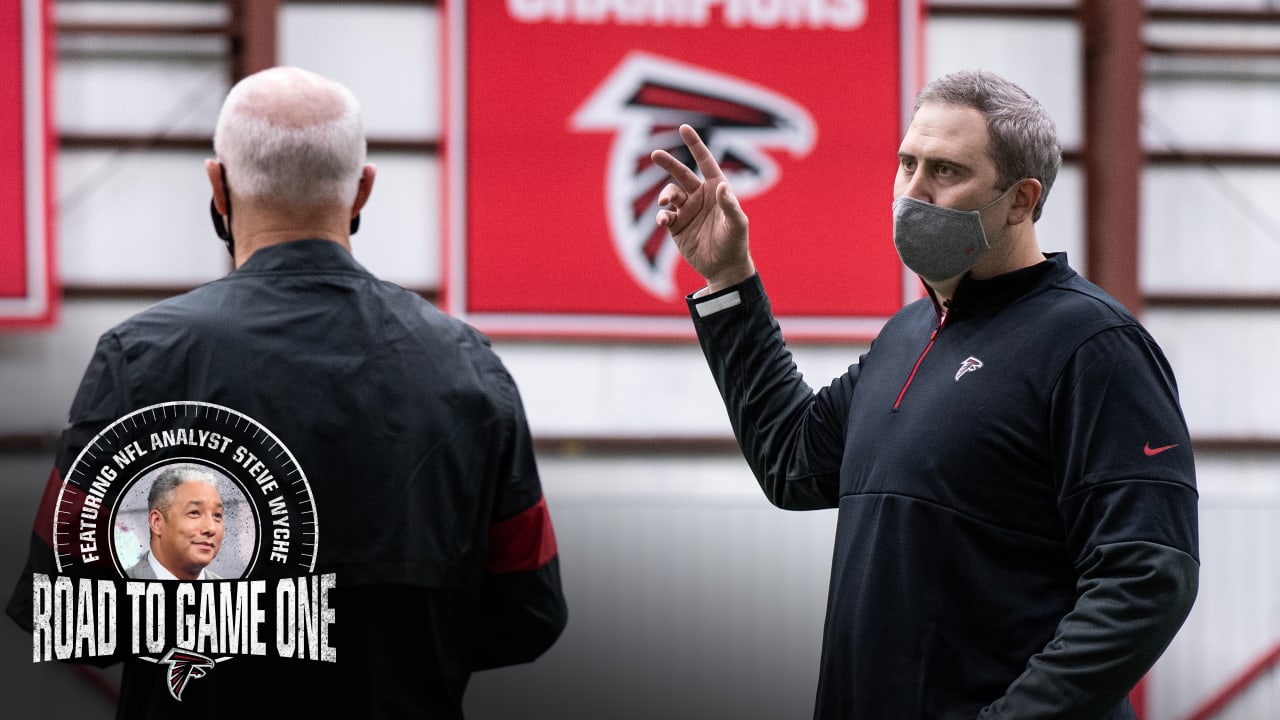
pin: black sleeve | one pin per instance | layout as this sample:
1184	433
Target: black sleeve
521	616
1132	598
101	398
521	610
1128	502
792	439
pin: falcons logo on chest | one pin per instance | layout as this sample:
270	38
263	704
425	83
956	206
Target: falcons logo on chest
970	364
643	102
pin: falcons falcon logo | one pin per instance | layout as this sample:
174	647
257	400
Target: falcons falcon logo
970	364
644	100
184	666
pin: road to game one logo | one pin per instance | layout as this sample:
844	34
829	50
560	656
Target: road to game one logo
645	100
256	594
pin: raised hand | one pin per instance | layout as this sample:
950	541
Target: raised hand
703	216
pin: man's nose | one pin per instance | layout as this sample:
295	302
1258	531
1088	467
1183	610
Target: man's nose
917	187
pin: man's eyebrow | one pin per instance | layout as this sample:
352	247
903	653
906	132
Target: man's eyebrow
947	160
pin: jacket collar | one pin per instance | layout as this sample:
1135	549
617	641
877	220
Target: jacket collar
977	296
308	255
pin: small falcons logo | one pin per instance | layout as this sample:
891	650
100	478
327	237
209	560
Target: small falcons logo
970	364
184	666
644	101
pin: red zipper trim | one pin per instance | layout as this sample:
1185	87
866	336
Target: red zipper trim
942	320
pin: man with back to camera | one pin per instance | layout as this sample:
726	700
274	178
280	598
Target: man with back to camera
409	428
1017	508
184	521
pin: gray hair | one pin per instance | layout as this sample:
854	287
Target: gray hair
291	137
161	495
1024	140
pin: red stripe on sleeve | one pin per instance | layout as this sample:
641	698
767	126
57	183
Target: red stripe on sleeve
523	542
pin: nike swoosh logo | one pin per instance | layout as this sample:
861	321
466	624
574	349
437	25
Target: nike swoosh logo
1150	451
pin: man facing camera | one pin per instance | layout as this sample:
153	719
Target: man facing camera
184	515
1017	535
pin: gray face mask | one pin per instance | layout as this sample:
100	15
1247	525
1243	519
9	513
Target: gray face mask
938	243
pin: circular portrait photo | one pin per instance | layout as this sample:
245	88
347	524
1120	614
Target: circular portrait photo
184	521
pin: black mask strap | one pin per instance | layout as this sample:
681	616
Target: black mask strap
223	229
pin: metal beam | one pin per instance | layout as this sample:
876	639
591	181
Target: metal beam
254	32
1112	157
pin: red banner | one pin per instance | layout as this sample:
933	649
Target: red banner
555	105
27	290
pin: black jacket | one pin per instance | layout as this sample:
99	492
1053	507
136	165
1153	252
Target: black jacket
1017	529
421	495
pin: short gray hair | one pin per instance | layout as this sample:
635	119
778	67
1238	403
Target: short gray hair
161	495
1024	140
291	137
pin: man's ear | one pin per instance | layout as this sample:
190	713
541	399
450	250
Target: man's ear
154	518
363	188
1025	197
213	169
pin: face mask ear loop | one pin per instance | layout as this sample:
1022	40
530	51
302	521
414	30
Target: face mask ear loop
1001	196
220	226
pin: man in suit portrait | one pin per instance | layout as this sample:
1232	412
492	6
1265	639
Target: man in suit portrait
184	516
